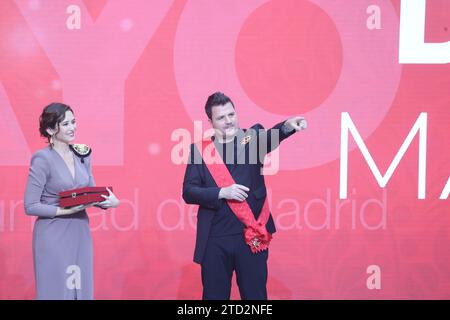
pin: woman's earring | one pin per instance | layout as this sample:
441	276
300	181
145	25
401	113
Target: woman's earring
51	140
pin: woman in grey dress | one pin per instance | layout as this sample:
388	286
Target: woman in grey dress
62	244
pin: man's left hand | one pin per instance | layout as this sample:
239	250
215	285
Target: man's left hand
296	123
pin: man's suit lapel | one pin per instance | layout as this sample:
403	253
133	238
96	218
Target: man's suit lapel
240	147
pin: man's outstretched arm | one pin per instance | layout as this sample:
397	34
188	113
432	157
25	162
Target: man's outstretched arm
273	137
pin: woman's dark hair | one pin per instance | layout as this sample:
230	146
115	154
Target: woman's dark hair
216	99
51	117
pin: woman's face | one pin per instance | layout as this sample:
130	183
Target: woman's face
67	128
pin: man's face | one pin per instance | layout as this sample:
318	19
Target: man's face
224	120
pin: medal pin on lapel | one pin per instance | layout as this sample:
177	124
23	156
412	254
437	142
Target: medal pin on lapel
246	139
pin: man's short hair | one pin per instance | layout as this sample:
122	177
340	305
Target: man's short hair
216	99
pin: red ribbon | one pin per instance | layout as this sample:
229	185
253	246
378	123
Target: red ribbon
255	233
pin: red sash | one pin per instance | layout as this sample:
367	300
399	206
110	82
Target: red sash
255	233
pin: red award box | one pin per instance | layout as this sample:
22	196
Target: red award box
75	197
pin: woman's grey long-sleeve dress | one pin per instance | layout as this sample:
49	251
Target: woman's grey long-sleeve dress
62	246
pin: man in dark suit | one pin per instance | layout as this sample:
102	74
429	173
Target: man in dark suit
221	247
